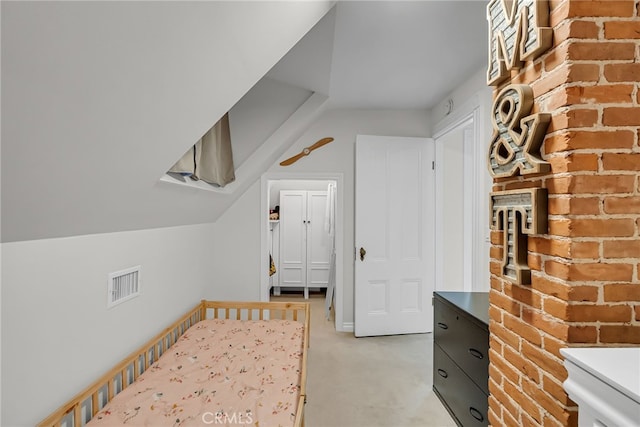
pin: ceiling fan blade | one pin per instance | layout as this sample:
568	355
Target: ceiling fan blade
305	152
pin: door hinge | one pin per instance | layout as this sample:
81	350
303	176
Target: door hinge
433	165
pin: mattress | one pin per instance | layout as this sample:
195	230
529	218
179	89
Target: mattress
220	372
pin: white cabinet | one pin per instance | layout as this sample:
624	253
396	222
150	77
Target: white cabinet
304	244
605	383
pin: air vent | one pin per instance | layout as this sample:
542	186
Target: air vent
123	285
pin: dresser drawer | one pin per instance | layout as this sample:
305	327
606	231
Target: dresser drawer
465	400
464	339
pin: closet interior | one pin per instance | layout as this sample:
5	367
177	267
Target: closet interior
301	235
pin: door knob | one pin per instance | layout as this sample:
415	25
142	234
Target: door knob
362	253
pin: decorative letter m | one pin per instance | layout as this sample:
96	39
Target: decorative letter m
517	32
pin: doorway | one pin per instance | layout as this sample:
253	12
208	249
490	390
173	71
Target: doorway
271	186
462	240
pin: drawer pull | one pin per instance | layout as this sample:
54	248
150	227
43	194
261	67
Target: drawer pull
476	353
443	373
443	325
476	414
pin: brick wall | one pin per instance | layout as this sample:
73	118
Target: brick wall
585	287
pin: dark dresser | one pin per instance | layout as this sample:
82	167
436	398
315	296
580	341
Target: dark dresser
461	355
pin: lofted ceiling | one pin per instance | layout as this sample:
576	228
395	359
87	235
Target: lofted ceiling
389	54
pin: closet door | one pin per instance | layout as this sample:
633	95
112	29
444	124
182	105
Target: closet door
318	244
293	238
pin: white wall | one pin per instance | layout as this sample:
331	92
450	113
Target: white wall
238	230
57	333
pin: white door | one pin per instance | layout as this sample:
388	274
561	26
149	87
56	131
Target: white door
293	238
318	242
394	235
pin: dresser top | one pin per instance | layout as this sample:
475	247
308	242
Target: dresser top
474	303
619	367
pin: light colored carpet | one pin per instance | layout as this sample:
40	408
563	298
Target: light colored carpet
369	382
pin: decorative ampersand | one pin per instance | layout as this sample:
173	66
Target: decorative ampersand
517	136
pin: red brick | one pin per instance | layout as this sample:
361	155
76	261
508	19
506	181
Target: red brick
637	313
505	303
534	262
529	369
601	51
575	29
621	292
621	72
506	336
580	334
549	403
504	400
576	140
585	250
548	246
600	94
621	116
553	346
592	272
620	334
556	56
555	389
601	227
599	313
528	74
574	162
621	248
506	369
621	161
596	184
622	205
564	73
523	330
549	363
584	293
526	403
622	29
556	308
550	287
573	205
604	8
545	323
557	269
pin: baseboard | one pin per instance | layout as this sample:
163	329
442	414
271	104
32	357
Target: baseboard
347	327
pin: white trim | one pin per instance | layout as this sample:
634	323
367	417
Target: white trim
465	112
347	327
264	229
468	114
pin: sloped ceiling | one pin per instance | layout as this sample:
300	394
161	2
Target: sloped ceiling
100	98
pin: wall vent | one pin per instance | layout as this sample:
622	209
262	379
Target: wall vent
123	285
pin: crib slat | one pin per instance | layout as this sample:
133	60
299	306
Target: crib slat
77	415
94	404
110	390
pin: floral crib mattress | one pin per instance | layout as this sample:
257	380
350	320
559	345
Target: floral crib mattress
219	372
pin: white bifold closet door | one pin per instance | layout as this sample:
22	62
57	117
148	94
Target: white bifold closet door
304	243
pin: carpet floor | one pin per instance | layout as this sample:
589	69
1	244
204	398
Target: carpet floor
368	382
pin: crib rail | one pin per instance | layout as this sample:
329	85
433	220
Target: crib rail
79	410
82	407
250	310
